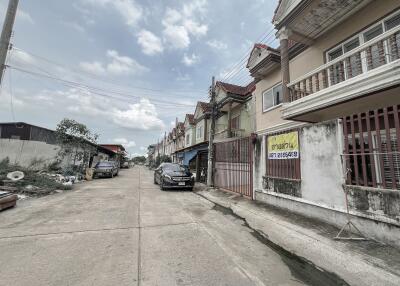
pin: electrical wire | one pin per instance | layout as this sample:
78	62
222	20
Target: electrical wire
94	90
96	77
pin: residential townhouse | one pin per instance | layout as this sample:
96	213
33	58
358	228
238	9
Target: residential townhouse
234	111
327	114
196	142
232	146
180	142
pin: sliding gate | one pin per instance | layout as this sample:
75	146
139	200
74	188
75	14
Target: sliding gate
234	166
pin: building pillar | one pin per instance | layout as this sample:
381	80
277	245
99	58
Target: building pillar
283	35
229	129
198	167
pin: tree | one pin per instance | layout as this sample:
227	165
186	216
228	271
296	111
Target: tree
76	141
139	159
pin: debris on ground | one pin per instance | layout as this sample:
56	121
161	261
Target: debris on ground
33	183
15	176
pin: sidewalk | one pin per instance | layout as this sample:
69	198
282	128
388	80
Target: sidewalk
357	262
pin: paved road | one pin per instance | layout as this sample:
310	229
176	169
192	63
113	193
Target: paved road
125	231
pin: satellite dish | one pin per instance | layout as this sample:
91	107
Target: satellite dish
15	176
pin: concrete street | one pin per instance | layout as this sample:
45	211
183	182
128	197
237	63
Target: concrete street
126	231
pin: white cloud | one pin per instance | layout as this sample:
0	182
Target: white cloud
142	115
73	25
21	57
195	28
143	148
190	60
21	14
95	67
177	36
130	11
150	43
123	64
218	45
117	65
179	25
136	116
125	142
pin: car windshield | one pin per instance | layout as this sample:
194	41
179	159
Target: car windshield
174	168
104	164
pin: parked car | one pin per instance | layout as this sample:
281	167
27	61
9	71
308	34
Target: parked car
171	175
125	165
105	169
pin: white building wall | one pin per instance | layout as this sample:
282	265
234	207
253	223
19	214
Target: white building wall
24	152
321	167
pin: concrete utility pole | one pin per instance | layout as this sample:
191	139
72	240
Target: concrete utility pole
6	34
210	179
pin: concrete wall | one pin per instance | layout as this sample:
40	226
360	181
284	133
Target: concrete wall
321	167
384	232
321	192
24	153
313	57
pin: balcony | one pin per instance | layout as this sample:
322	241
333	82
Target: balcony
366	77
223	134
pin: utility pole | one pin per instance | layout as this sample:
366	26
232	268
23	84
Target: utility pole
6	34
210	180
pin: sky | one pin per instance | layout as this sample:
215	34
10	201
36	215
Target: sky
126	68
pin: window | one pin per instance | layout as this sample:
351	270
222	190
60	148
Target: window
335	54
392	22
199	132
272	97
187	139
235	123
365	60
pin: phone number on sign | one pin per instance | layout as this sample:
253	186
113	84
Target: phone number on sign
284	155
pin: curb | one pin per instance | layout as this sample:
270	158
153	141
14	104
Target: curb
350	268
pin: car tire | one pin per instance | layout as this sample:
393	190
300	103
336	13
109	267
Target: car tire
190	189
155	181
161	185
112	175
116	174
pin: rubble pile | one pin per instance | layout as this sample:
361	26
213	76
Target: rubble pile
24	181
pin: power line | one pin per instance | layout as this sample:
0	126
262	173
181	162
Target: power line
96	77
243	58
92	89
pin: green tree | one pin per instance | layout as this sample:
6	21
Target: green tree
139	159
76	142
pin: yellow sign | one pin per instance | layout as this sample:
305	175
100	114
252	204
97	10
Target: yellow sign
283	146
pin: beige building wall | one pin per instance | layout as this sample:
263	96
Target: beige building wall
313	57
272	117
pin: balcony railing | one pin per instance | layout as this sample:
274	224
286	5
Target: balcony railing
234	133
377	52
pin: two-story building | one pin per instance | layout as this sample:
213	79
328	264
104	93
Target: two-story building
180	142
327	113
233	127
234	111
196	127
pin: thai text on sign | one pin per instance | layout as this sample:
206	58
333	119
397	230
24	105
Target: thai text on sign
283	146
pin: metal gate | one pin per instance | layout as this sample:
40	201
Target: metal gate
234	166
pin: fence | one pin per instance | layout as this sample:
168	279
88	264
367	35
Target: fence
234	166
372	149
